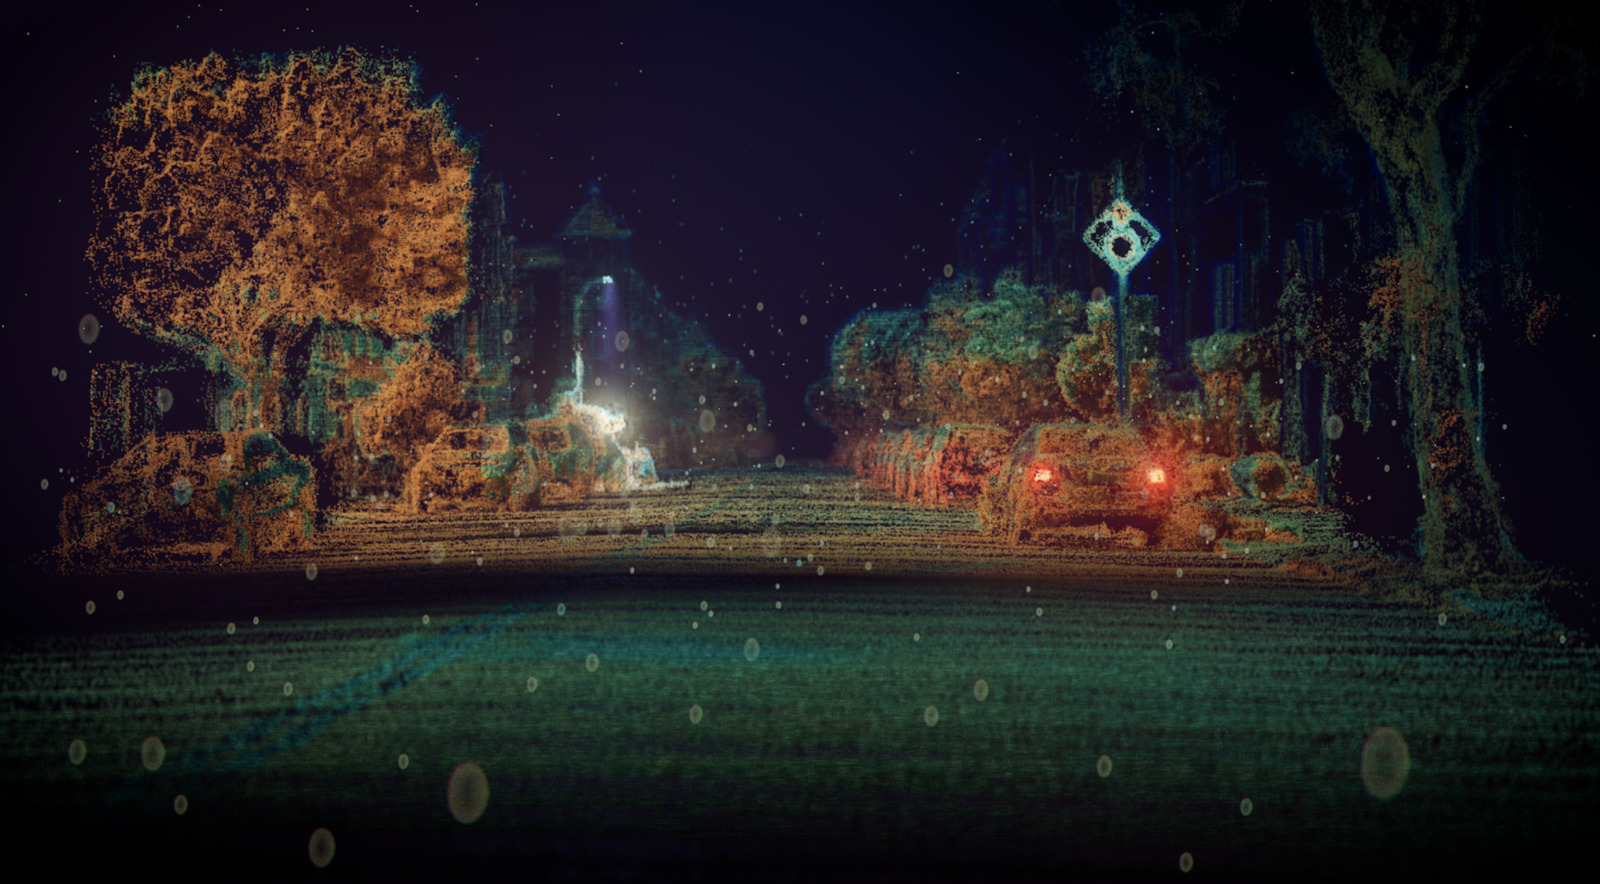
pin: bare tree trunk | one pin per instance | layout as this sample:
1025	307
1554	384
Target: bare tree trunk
1365	49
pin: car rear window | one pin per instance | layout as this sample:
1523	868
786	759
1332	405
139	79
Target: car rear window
550	439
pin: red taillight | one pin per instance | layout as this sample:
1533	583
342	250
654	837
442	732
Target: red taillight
1156	476
1042	474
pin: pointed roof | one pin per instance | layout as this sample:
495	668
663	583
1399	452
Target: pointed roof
594	219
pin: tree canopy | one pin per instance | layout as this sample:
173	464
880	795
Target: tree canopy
234	199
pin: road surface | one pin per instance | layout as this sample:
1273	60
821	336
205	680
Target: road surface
781	675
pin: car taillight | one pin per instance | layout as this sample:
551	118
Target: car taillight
1156	476
1042	474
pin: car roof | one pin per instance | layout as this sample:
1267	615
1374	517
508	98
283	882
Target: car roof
1084	438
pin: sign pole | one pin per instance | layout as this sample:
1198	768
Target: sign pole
1121	237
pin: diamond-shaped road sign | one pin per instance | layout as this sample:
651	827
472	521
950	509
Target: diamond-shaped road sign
1121	236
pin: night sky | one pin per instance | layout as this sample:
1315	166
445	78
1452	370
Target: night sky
812	158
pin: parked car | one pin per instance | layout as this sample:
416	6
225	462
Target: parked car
193	493
1061	475
474	468
959	461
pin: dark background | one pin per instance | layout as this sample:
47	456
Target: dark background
814	158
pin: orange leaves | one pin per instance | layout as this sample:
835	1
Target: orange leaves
320	179
413	407
1386	276
1541	316
1450	451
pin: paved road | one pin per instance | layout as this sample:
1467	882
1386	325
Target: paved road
713	681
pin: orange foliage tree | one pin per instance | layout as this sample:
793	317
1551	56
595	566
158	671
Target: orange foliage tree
240	204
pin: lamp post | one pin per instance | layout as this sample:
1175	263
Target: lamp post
1121	237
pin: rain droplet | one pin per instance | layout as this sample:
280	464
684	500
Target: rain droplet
708	421
180	804
468	792
760	306
405	761
622	341
89	329
44	485
533	683
695	713
152	753
288	688
1208	533
949	271
980	690
1441	618
76	751
163	400
591	662
321	846
250	666
89	607
1102	766
930	715
1152	594
436	553
1333	426
1169	644
311	571
182	490
561	609
1186	862
1385	762
230	627
779	461
1246	806
802	319
752	649
425	619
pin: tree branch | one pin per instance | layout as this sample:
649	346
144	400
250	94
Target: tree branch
1474	114
1348	56
1439	81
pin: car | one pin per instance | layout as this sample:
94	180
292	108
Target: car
1071	474
193	493
474	468
959	461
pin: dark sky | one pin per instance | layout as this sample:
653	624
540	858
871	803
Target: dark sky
811	157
